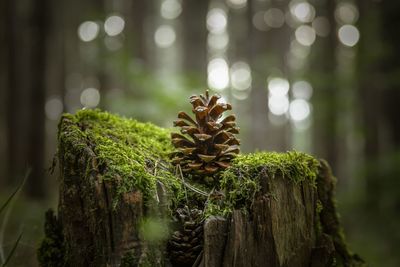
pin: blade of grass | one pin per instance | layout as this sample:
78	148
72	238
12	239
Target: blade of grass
4	206
7	206
12	250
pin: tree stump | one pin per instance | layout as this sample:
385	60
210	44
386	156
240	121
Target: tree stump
118	194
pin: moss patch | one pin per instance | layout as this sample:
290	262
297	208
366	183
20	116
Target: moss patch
135	153
241	181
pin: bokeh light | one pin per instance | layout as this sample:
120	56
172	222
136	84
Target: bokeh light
88	31
305	35
240	76
303	11
346	13
278	86
216	20
218	74
299	109
236	4
53	108
259	21
90	98
114	25
302	89
274	17
164	36
171	9
348	35
278	104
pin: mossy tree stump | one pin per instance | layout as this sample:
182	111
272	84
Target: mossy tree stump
118	192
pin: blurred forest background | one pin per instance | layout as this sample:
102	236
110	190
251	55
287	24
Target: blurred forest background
320	76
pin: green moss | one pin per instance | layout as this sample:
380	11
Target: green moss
241	183
135	152
138	154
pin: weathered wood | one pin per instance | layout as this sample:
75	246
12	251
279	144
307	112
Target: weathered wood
215	232
278	231
96	233
288	223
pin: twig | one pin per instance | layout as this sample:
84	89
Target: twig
178	167
155	175
191	187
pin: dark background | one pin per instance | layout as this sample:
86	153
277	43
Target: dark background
319	76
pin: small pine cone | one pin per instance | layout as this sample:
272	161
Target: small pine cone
207	143
186	244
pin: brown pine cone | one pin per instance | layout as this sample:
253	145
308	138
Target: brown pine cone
186	243
207	143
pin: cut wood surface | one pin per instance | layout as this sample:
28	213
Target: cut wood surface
118	193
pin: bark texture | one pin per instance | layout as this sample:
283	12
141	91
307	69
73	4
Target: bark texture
287	224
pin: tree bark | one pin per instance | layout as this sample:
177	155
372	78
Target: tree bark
287	224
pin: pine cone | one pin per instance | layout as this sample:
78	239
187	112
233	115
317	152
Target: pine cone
186	244
208	142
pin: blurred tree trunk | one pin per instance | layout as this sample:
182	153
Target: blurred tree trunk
323	65
379	88
391	68
370	80
136	23
267	53
258	96
194	14
25	32
13	111
40	23
239	49
3	91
